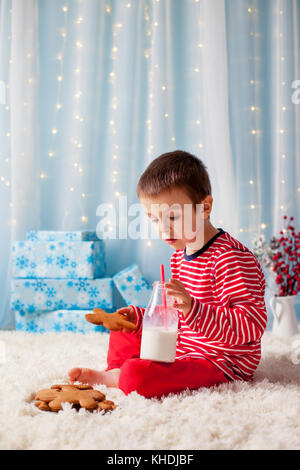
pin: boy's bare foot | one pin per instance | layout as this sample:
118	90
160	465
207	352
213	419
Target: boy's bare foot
109	378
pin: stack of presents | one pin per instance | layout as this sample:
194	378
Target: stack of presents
58	277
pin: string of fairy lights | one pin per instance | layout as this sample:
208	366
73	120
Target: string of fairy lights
77	119
156	77
4	179
283	105
254	84
158	91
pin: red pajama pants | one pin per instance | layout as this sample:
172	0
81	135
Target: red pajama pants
154	379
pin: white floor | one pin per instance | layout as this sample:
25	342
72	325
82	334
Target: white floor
263	414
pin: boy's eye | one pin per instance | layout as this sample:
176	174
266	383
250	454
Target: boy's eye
171	217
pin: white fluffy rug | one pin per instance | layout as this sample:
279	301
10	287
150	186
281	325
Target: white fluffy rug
263	414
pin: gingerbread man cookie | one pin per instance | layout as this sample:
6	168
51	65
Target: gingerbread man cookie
80	396
112	321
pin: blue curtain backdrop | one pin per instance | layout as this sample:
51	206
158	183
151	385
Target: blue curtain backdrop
93	90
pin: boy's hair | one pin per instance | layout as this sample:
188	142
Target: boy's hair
175	169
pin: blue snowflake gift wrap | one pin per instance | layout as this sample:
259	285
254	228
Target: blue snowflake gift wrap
30	296
61	236
58	259
56	321
132	285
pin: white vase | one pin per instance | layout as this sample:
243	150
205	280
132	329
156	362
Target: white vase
285	321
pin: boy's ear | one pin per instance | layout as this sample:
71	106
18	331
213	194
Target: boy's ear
207	205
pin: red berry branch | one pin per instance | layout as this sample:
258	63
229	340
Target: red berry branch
287	259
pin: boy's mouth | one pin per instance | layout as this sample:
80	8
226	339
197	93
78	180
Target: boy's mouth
170	240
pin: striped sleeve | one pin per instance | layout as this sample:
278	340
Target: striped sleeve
239	286
139	314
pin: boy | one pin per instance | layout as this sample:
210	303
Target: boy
218	287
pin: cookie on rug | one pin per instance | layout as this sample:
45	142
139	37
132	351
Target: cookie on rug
79	396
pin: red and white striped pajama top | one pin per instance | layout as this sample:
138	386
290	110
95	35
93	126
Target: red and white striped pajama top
228	314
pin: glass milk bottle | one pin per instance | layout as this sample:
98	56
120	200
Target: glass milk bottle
160	326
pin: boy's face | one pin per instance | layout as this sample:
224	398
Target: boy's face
175	218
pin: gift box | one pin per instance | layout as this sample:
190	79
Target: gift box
61	236
42	295
56	321
58	259
133	287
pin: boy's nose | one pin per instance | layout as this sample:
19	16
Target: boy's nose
165	229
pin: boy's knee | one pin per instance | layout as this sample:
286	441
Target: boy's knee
133	376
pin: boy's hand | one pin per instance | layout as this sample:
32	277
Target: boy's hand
129	315
183	298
